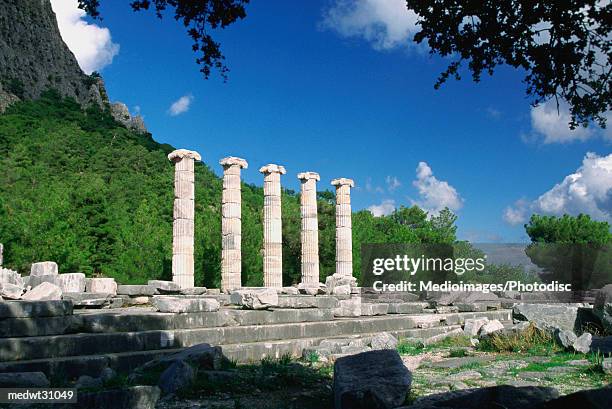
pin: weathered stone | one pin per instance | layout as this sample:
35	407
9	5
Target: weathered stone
504	396
406	307
255	299
564	338
201	356
306	301
309	235
312	289
165	287
35	281
472	325
10	277
86	382
342	290
583	343
176	377
348	308
71	282
606	366
547	316
33	309
101	285
371	380
176	305
43	268
87	299
141	397
10	291
437	338
43	292
374	309
24	380
193	291
384	340
490	328
603	307
136	290
289	291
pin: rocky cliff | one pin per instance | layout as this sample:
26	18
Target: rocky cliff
34	58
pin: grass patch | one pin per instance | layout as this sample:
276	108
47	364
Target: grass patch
531	341
413	347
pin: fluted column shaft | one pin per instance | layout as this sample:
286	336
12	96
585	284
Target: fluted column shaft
231	228
273	227
183	228
344	238
310	228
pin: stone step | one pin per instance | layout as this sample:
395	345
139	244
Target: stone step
14	349
134	320
31	309
123	362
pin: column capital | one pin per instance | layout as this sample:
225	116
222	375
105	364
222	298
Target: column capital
308	176
342	182
272	168
232	160
179	154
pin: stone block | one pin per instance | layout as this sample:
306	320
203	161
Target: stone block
179	305
88	299
164	287
348	308
101	285
24	380
43	292
136	290
71	282
583	343
547	316
32	309
384	340
193	291
11	277
10	291
407	307
374	309
472	325
255	299
373	380
342	289
490	328
564	338
44	268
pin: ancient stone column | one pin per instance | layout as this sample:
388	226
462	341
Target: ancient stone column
310	228
184	208
1	251
344	239
273	227
231	261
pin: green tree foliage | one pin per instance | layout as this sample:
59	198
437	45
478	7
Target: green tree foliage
78	188
563	47
575	250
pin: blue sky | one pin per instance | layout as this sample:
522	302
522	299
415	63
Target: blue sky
336	87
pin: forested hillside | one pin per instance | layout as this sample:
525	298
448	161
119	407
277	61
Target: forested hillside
78	188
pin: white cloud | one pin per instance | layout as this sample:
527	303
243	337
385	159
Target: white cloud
91	44
181	105
553	126
371	188
385	208
588	190
516	214
435	194
392	183
385	24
